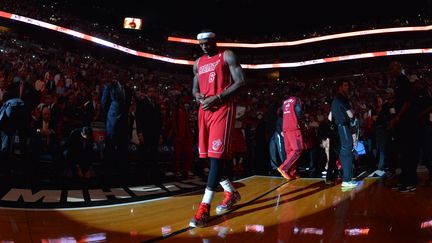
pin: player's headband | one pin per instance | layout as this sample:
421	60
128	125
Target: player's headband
206	35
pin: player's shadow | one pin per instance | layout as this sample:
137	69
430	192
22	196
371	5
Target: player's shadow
318	186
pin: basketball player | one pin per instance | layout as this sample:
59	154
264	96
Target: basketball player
218	75
292	112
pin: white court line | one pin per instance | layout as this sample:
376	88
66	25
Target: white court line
109	206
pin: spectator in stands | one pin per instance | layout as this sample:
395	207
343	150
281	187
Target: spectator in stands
182	135
328	135
24	91
80	152
2	88
261	153
10	111
88	110
116	99
39	85
50	85
381	116
238	144
57	107
98	116
72	113
44	138
149	123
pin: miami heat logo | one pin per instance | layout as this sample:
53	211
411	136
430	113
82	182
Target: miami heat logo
209	67
216	144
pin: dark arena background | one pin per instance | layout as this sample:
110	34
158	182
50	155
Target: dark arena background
65	178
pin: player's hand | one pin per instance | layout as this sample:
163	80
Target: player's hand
199	97
209	102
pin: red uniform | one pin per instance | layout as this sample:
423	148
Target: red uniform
292	136
215	125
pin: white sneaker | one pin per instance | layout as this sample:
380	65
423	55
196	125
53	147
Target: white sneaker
350	184
380	173
377	173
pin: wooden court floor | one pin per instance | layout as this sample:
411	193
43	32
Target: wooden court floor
271	210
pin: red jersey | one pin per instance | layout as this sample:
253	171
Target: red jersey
290	121
213	74
215	125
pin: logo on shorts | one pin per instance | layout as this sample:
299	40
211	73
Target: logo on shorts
216	144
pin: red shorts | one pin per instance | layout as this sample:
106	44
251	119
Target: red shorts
215	126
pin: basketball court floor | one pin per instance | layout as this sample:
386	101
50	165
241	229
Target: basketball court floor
271	210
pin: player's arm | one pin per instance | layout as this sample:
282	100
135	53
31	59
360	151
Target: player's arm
393	122
407	97
237	74
195	86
